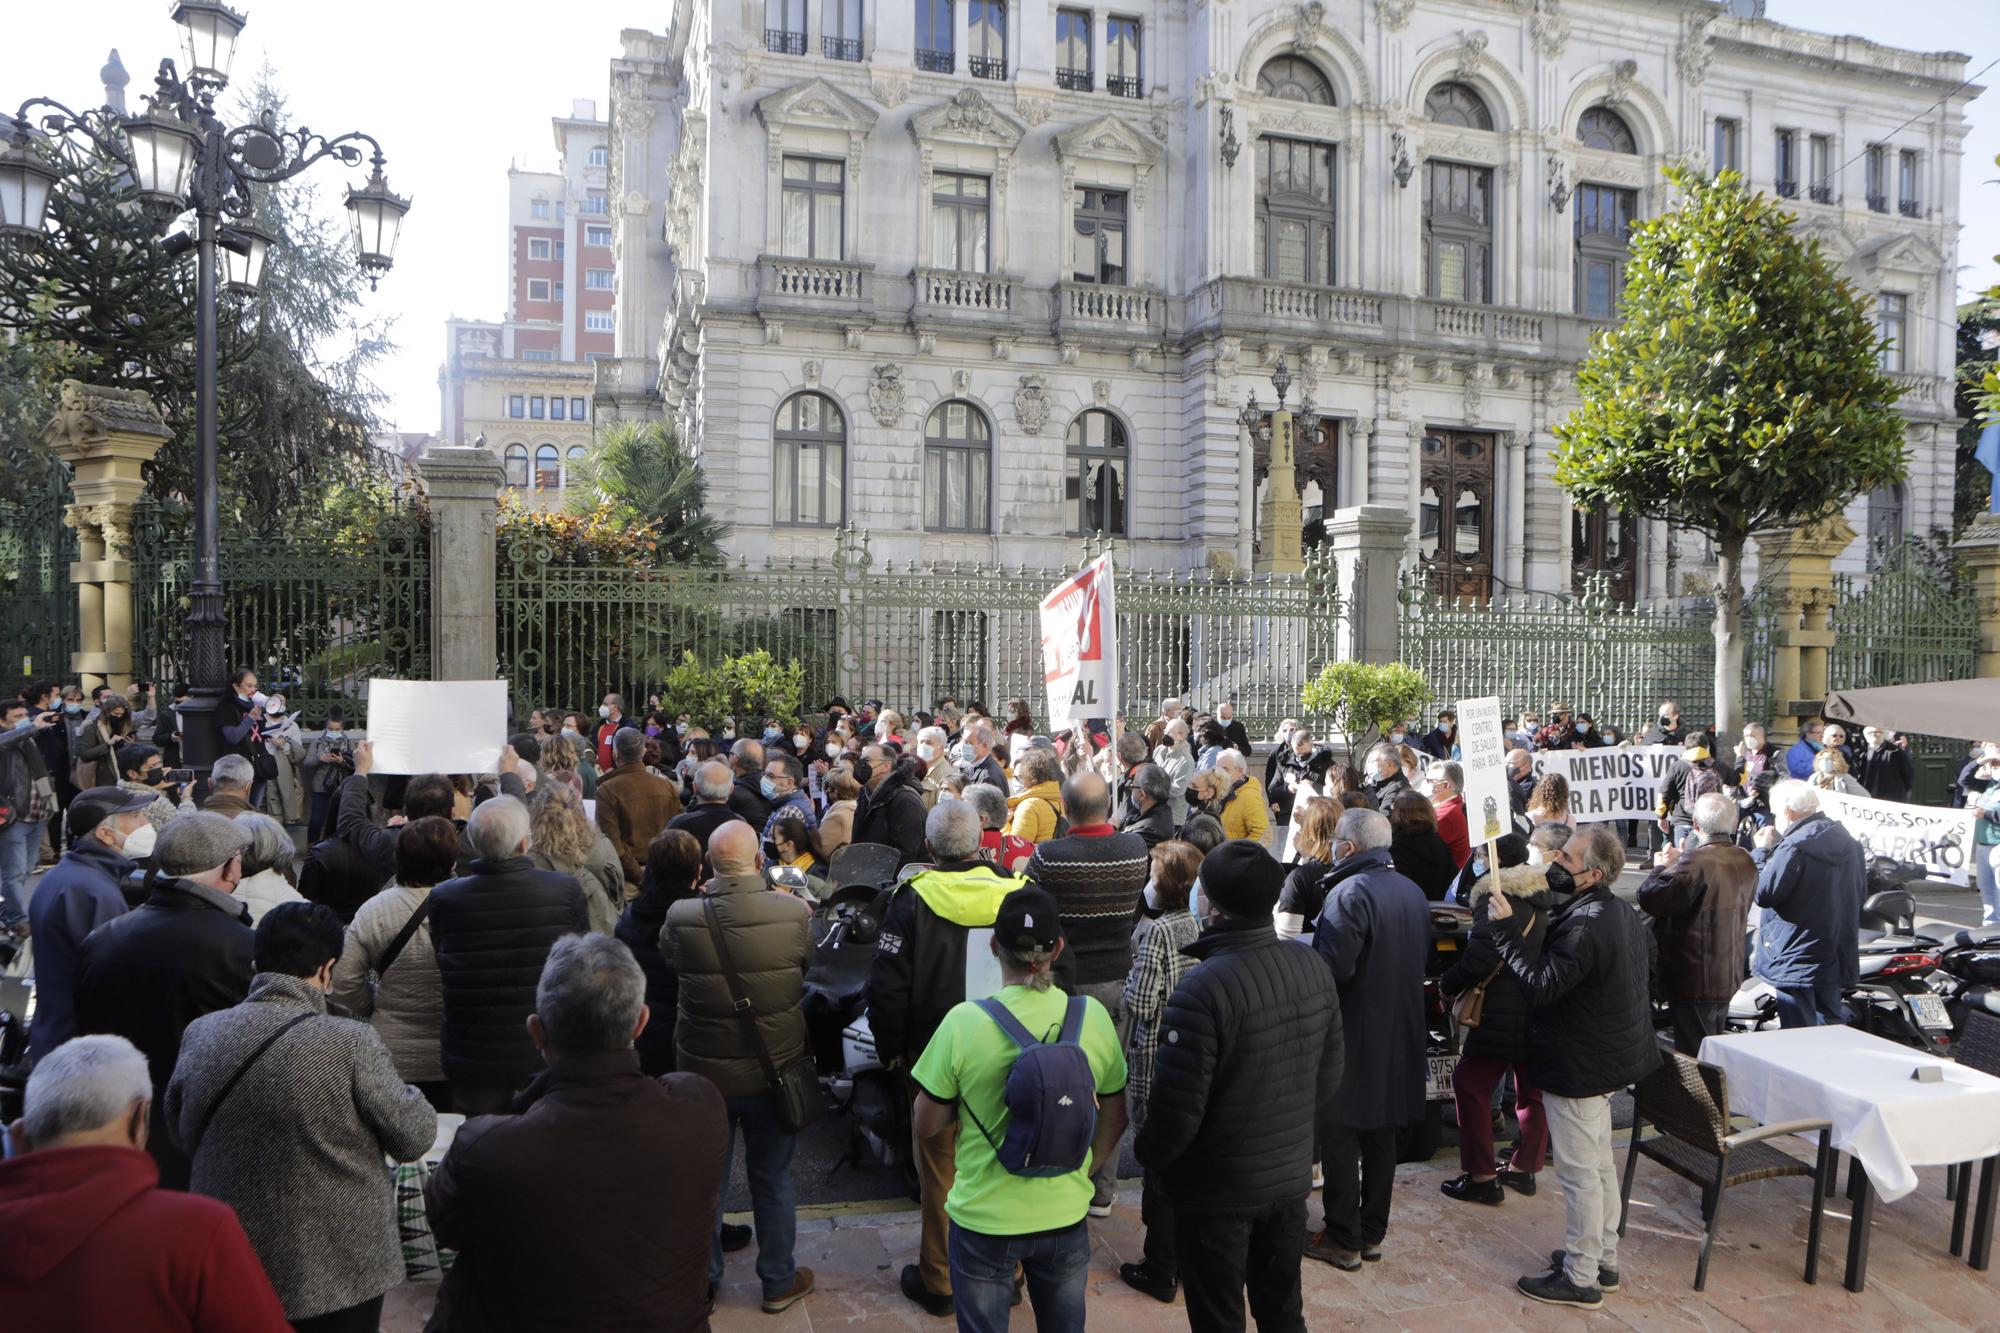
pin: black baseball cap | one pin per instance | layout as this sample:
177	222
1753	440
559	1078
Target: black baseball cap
1029	923
91	808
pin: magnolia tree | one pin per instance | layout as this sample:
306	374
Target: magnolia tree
1361	700
1741	392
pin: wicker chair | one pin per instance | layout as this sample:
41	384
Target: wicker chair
1978	1048
1689	1103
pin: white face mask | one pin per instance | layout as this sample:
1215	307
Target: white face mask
1152	896
1197	901
1536	857
604	710
139	842
802	743
568	730
833	749
927	752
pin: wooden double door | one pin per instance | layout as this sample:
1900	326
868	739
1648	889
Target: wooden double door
1455	511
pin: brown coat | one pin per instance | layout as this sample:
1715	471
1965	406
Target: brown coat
770	941
227	804
632	807
1700	907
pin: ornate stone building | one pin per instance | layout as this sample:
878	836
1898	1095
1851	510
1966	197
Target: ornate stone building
984	278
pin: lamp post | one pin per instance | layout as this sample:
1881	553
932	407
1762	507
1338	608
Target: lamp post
181	155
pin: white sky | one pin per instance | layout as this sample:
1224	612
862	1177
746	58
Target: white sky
456	92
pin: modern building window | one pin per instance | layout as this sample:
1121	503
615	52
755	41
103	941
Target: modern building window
958	466
539	247
597	321
537	408
517	405
810	461
559	249
1295	211
1604	129
1728	146
1293	79
842	38
576	409
934	36
785	27
539	354
1603	229
561	208
1094	489
1892	314
1822	169
572	460
1123	76
597	279
556	408
814	208
538	208
1877	160
538	289
1457	104
557	289
597	233
1906	184
1785	178
517	464
548	468
986	38
1458	231
1074	64
600	156
960	222
1097	243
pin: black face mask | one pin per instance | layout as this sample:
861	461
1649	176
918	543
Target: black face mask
863	771
1559	878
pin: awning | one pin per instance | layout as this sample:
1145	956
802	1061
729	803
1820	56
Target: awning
1969	709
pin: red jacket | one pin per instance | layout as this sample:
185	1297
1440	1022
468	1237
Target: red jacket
1451	827
93	1242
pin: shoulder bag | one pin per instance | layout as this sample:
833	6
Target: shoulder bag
201	1126
403	937
796	1086
1469	1009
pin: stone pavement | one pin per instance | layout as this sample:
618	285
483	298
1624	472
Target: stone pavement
1452	1266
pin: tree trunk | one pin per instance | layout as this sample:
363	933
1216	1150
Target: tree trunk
1728	643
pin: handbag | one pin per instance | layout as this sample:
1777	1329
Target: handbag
1468	1010
796	1086
397	945
201	1126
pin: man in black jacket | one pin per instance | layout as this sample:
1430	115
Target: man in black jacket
710	811
1148	809
186	951
891	810
1234	736
1590	1033
1250	1046
746	795
1885	769
1300	764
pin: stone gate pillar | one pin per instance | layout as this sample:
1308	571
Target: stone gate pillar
1799	564
1367	544
107	436
463	484
1980	549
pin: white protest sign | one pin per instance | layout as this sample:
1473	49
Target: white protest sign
1934	837
1080	647
437	726
1611	782
1482	748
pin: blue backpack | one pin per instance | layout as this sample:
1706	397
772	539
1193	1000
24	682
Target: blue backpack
1051	1098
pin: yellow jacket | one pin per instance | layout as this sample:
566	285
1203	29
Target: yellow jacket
1247	814
1035	811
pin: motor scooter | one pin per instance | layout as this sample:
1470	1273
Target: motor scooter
1968	976
1451	928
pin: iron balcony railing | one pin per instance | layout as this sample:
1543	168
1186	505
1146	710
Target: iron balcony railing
841	48
1878	202
1074	80
1822	194
1910	208
936	62
784	43
1122	85
1788	189
987	67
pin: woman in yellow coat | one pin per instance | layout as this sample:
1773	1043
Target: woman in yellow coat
1039	802
1246	811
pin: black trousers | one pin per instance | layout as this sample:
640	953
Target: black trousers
1360	1166
1156	1210
1693	1021
1221	1257
363	1318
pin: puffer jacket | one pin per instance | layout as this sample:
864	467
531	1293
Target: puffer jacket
1700	906
602	879
406	1004
1035	812
770	941
1812	885
1249	1049
1503	1029
492	930
919	971
1590	1009
893	813
1245	813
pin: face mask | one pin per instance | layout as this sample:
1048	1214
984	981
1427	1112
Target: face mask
962	755
1559	878
1478	867
863	772
772	734
833	749
1583	728
729	733
768	787
1396	737
139	842
24	724
1535	857
1197	901
1813	745
927	752
652	731
568	730
802	742
72	709
604	710
681	727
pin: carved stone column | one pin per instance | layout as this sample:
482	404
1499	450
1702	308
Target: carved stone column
463	485
107	436
1799	563
1278	518
1980	549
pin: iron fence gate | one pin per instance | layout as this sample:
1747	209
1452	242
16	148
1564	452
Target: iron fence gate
37	600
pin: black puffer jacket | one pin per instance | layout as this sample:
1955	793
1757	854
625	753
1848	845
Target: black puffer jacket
1250	1047
492	931
1503	1028
1425	857
893	813
1590	1013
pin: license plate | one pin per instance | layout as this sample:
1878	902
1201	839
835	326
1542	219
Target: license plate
1447	946
1930	1011
1437	1080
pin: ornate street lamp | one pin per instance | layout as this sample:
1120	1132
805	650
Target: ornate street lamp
182	156
1281	380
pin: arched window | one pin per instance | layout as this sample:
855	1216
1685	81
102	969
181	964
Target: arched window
1295	210
1457	104
1885	518
958	467
1601	127
572	457
1294	80
1094	490
548	468
810	461
517	464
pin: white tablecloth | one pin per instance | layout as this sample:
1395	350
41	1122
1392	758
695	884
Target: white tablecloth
1863	1084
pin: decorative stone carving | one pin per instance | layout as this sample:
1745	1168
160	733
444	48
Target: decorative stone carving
774	332
885	393
1399	368
1312	364
810	371
1309	20
1349	362
1101	391
1555	388
1478	375
1003	348
1471	50
961	381
926	344
1550	28
1394	14
1067	353
1142	358
1031	404
967	118
1214	86
1622	75
851	334
87	414
635	115
891	90
1034	110
1694	54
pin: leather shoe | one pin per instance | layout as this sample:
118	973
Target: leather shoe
1467	1190
802	1285
1144	1277
735	1237
911	1280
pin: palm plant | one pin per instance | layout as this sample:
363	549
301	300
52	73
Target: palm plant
644	474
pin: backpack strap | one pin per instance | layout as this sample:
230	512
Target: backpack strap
1003	1017
1072	1028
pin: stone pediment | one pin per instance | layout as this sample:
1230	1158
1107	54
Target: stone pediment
1107	139
819	104
1904	253
968	118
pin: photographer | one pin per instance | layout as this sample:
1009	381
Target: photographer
142	771
329	762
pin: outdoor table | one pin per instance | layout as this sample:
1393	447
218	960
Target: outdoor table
1881	1114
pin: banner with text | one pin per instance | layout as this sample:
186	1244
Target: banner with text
1613	782
1482	748
1935	837
1080	647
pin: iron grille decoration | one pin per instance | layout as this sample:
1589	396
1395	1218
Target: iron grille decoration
37	600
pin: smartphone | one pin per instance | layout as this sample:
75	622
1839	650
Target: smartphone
182	776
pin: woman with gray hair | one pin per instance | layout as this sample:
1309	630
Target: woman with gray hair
268	877
1176	757
563	839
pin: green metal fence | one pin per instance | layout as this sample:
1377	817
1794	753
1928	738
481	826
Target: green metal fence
37	601
909	633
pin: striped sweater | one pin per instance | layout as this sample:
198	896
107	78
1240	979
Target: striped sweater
1096	876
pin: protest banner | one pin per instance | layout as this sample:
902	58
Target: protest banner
437	726
1080	647
1482	748
1935	837
1611	782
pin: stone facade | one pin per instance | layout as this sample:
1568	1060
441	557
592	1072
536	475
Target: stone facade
1392	196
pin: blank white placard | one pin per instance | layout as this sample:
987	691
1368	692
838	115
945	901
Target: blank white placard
437	726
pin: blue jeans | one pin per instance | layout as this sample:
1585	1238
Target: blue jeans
1810	1006
1986	868
20	847
767	1153
1057	1265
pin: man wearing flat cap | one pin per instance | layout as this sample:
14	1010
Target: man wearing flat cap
184	952
1250	1047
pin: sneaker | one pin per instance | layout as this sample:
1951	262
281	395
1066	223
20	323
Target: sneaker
1607	1278
802	1285
938	1306
1371	1254
1144	1277
1555	1288
1467	1190
735	1237
1100	1209
1320	1248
